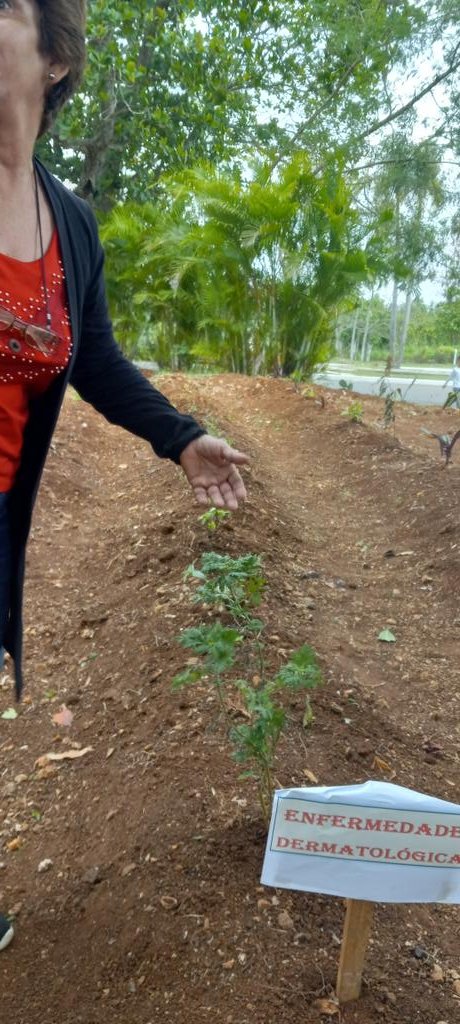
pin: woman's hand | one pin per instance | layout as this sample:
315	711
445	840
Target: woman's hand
210	467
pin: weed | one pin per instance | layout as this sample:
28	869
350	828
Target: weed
346	385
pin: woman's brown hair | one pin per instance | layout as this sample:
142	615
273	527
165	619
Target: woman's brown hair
62	37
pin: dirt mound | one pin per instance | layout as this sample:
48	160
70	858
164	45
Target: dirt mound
151	909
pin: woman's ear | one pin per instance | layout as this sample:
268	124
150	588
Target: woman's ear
56	72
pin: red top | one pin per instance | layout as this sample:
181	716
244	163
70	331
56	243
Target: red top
26	372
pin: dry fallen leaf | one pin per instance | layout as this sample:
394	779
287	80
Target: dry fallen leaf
310	776
326	1007
63	717
380	765
66	755
14	844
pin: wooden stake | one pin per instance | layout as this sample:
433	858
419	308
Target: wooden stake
358	923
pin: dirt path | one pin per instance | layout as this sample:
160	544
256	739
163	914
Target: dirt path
151	910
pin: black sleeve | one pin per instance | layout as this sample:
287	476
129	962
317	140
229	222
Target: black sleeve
104	377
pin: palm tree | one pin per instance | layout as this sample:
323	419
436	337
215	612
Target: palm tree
244	275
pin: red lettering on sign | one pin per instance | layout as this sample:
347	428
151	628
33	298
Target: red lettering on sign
308	819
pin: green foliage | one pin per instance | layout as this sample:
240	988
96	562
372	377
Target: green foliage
355	412
168	84
301	672
234	584
432	337
217	645
228	248
214	518
451	400
390	395
245	277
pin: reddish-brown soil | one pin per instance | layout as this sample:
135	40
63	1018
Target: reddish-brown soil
152	910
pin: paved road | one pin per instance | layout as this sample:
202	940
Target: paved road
423	392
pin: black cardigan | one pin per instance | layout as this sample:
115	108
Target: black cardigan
100	373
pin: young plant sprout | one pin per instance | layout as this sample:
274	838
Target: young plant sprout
214	518
236	585
355	412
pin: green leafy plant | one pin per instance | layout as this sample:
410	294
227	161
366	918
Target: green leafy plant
217	645
236	586
390	395
355	412
452	399
346	385
255	741
214	518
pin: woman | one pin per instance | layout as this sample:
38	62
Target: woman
54	325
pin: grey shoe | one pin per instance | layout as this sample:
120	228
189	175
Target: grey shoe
6	932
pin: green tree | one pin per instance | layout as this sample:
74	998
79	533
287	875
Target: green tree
246	276
171	82
409	180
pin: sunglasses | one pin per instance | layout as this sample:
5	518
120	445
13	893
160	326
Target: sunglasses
40	338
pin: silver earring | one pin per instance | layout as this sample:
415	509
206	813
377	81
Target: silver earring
52	77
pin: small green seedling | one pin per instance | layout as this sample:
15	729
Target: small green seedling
236	585
256	741
346	385
452	399
214	518
391	396
217	645
355	412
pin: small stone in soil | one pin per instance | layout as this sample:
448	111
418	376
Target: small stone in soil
128	870
420	953
285	920
45	865
93	876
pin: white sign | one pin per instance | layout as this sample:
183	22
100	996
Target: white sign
374	842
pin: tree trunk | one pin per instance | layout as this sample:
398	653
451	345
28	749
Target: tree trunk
394	322
354	342
366	333
407	313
